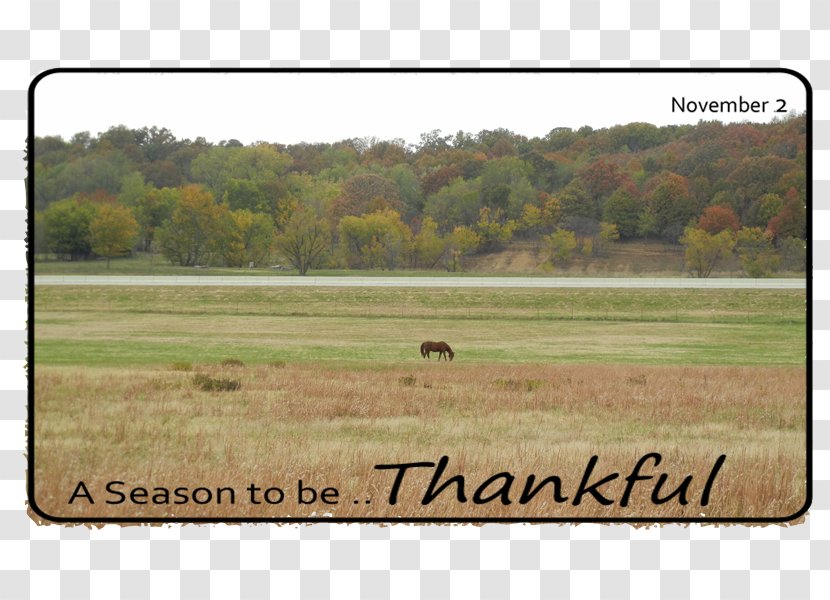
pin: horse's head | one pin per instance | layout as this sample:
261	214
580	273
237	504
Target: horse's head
451	353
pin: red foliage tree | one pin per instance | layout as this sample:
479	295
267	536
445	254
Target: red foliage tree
792	220
718	218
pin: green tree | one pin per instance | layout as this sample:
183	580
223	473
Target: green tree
261	164
793	252
244	194
624	208
133	189
762	211
705	250
574	202
305	241
672	205
41	242
409	188
453	206
756	252
500	178
152	211
66	227
113	231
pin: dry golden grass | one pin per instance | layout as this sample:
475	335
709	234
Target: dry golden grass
330	425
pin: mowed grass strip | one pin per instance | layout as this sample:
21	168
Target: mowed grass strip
647	305
330	425
126	340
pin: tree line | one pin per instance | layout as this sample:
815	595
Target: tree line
366	203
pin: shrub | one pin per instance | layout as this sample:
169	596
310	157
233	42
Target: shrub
519	385
232	362
181	366
209	384
638	380
408	380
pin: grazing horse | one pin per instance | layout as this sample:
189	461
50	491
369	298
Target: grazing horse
442	348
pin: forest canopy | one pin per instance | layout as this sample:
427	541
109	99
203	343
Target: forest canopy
368	203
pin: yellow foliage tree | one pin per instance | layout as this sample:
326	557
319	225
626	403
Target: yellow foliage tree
113	231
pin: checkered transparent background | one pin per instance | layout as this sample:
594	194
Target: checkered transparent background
321	561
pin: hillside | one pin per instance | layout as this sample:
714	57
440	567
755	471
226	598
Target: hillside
491	201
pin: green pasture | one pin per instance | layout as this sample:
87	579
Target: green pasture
371	327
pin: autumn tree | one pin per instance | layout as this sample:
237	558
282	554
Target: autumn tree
705	250
463	241
428	246
247	239
305	241
364	193
763	210
718	218
531	220
493	229
792	220
113	231
608	234
379	240
559	245
194	230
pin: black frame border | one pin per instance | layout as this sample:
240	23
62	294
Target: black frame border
30	282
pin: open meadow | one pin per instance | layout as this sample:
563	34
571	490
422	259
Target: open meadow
224	387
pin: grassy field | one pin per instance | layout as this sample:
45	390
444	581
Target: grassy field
330	383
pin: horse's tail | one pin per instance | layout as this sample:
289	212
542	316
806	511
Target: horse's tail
423	350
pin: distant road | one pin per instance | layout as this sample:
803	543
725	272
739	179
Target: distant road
424	282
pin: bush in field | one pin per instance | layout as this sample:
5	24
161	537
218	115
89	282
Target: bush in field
407	380
210	384
232	362
182	366
519	385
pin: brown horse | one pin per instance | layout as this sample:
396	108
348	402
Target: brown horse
442	348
